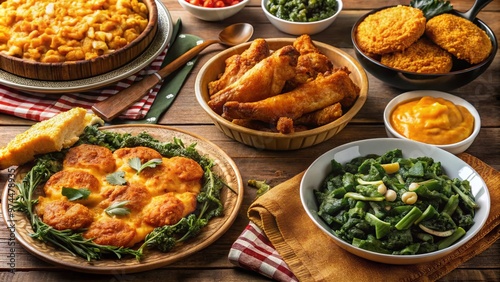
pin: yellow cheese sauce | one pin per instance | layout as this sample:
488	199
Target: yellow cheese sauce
432	120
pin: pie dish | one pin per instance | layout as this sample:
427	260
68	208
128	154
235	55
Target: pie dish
225	167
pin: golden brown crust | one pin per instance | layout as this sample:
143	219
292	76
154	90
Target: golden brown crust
422	56
92	157
71	179
391	29
460	37
164	210
136	195
111	231
63	214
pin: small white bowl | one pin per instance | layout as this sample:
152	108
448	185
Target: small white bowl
213	14
453	166
299	28
455	148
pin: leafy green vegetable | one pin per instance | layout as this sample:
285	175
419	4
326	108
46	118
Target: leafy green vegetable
432	8
117	209
135	163
209	203
75	194
262	186
116	178
351	201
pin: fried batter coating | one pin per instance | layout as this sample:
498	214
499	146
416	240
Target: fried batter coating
266	79
72	179
305	45
85	156
325	90
460	37
310	62
237	65
176	174
63	214
136	195
422	56
111	231
168	209
321	117
390	30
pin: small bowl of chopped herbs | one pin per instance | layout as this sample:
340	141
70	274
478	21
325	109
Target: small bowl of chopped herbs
395	201
299	17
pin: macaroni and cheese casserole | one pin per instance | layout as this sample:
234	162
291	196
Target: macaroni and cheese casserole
58	31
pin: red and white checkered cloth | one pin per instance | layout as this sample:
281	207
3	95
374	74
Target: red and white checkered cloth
39	107
252	250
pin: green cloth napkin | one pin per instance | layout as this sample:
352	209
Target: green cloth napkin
180	43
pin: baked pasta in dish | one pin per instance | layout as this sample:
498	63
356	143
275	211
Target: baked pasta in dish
59	31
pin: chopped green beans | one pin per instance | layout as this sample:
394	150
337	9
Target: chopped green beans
302	10
429	212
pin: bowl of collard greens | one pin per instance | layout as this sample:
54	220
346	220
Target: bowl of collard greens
395	201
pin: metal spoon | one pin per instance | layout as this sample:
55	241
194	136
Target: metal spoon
474	10
111	107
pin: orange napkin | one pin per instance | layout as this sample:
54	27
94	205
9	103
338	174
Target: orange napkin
313	256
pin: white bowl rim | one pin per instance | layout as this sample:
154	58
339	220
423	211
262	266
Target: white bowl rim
348	115
208	9
339	9
412	95
436	153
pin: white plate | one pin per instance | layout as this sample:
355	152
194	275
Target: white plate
159	43
453	166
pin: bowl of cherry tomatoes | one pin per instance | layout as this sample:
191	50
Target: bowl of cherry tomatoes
213	10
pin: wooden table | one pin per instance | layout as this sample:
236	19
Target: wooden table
212	264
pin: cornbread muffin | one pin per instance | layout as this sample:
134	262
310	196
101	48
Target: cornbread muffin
390	30
460	37
422	56
52	135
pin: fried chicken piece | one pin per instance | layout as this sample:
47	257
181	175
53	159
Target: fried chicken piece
422	56
390	30
325	90
311	62
321	117
264	80
305	45
239	64
460	37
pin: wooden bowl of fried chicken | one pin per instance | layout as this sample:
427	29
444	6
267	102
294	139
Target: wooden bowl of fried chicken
281	93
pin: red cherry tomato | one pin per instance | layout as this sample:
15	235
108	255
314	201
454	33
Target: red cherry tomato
213	3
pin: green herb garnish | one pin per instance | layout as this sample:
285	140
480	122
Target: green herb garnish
135	163
118	209
75	194
116	178
432	8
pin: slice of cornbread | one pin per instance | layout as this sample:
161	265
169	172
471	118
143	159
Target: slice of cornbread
60	131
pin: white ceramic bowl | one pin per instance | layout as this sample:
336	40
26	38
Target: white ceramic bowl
271	140
453	166
455	148
299	28
213	14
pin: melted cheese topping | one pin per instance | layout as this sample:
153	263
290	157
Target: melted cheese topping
157	196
